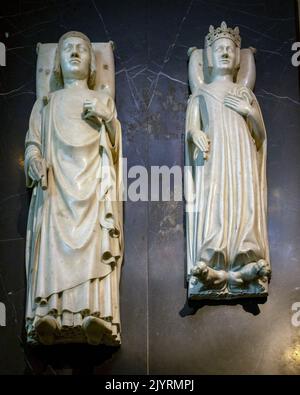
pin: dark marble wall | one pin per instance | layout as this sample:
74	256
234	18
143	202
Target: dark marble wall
161	333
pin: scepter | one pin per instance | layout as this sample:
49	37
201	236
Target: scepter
44	182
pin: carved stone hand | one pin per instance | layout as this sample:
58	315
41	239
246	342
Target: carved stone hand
201	141
238	104
95	112
37	169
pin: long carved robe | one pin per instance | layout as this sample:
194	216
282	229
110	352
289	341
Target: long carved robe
74	243
226	194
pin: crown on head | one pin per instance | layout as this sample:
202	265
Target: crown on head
223	32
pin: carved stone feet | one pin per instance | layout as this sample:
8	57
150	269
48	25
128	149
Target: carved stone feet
250	272
209	276
94	328
46	328
250	280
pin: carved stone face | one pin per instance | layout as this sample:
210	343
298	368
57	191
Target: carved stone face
75	58
223	56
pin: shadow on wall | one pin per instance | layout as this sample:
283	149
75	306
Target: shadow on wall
249	305
80	359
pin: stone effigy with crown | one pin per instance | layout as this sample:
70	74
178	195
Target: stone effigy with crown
225	172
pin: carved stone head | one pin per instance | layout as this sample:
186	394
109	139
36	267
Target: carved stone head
222	47
223	56
75	59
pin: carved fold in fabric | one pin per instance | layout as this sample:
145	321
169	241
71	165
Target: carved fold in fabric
95	297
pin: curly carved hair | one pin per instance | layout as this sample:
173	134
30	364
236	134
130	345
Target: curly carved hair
57	68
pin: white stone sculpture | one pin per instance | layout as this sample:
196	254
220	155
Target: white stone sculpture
225	176
74	246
